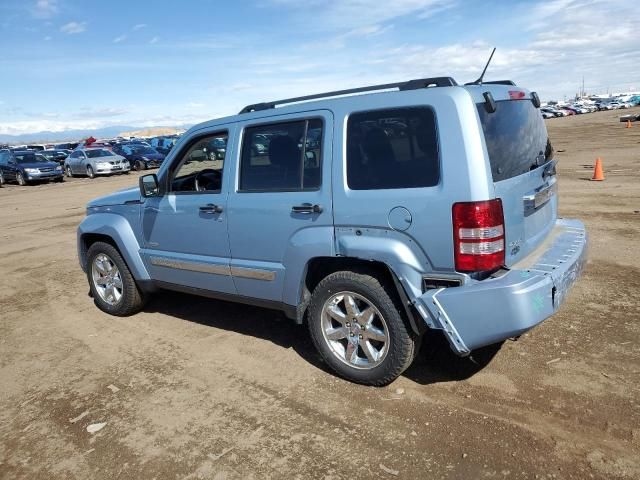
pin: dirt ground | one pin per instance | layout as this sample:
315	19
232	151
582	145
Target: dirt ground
195	388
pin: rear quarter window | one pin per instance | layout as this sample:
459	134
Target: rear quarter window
392	148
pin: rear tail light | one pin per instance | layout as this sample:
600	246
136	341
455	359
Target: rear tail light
478	235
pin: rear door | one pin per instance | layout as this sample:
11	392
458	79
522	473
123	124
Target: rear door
281	210
523	170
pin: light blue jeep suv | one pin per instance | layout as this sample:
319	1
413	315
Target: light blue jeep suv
371	214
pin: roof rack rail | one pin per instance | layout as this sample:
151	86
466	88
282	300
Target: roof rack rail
494	82
408	85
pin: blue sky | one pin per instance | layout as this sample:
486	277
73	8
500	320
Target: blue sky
76	64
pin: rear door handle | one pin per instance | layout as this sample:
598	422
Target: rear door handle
211	208
307	208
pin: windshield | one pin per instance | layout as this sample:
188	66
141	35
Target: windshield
28	157
98	153
143	150
516	138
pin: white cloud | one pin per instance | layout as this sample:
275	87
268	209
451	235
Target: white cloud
195	105
120	38
73	27
45	8
139	26
352	14
100	112
47	38
154	40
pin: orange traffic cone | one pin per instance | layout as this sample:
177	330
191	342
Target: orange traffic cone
598	174
628	123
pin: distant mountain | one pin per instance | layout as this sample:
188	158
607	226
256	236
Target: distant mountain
75	135
152	132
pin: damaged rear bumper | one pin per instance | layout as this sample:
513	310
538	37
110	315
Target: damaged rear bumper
483	312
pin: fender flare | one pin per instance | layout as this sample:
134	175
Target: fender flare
118	229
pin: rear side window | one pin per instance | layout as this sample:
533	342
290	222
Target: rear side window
394	148
516	138
282	157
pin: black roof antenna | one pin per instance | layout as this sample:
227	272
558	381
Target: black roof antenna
479	80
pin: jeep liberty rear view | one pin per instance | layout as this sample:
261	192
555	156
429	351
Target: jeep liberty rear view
371	215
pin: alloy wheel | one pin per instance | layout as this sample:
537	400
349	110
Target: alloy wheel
355	330
106	279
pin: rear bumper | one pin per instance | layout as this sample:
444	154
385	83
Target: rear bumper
489	311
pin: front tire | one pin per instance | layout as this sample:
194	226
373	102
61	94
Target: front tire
68	172
20	179
1	179
113	288
90	172
358	327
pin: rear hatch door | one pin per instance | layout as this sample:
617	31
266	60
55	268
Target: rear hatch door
523	172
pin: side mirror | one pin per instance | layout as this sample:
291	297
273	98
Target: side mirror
149	186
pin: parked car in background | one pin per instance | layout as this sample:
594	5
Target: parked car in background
95	161
554	111
26	166
140	157
85	144
55	155
217	149
163	144
66	146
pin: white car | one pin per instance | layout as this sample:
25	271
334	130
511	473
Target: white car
95	161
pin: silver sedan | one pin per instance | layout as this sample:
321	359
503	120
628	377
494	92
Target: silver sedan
95	161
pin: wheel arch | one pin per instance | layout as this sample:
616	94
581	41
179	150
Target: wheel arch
320	267
116	231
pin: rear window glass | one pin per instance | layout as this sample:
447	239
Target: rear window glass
516	138
394	148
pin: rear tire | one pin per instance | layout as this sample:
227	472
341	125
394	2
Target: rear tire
138	166
124	298
367	342
68	172
1	179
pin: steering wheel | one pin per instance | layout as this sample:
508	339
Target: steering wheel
201	182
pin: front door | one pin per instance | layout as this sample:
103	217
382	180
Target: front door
185	230
280	213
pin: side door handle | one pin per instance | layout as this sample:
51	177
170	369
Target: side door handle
211	208
307	208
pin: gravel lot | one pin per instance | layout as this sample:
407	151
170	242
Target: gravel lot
196	388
